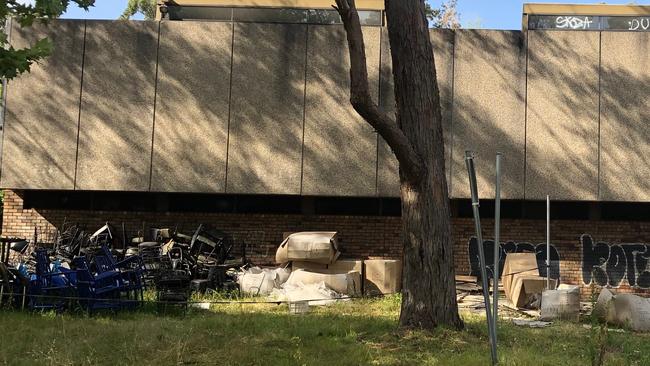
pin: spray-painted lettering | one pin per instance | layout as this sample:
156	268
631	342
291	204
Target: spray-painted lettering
573	22
606	264
512	247
639	24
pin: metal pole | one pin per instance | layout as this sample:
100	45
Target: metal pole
497	242
548	242
469	161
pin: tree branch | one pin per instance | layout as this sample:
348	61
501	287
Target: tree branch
409	161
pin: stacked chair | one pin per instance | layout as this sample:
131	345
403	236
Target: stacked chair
104	284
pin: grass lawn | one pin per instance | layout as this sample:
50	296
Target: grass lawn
362	332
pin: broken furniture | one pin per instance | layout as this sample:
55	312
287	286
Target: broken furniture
49	288
97	291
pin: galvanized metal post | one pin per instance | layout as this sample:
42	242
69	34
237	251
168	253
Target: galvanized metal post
469	161
497	242
548	242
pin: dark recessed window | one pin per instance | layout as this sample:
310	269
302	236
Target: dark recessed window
268	15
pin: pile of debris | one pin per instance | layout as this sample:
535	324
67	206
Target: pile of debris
311	271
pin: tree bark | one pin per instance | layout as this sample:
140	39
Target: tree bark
428	284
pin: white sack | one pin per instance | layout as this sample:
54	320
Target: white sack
261	281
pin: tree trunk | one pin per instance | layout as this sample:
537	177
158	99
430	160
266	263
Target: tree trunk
429	289
428	285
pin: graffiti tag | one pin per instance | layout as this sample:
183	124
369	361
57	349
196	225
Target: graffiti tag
573	22
639	24
512	247
609	264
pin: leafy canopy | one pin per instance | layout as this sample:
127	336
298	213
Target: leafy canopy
146	7
16	61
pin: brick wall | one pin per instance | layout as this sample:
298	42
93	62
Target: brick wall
369	236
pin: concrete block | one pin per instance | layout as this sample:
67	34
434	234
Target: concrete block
191	130
340	148
443	48
562	115
267	108
625	112
489	110
117	102
42	116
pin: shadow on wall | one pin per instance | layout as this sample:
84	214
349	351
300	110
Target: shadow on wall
281	122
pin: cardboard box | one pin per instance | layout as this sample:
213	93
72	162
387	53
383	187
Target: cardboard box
317	247
382	276
347	265
310	266
521	278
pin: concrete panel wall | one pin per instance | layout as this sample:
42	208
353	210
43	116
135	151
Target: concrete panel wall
267	108
192	106
442	41
340	148
41	121
625	113
117	106
562	115
489	110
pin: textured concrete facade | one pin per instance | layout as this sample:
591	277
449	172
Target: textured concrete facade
192	104
625	113
489	110
340	148
169	107
267	109
41	123
117	103
562	115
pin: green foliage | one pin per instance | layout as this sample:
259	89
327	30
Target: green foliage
16	61
146	7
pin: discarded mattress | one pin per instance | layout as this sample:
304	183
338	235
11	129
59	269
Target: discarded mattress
314	293
317	247
261	281
563	303
343	283
624	310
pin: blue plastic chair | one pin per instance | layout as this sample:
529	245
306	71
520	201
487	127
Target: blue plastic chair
132	270
101	291
49	289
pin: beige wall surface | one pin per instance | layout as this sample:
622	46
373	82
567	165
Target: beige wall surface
562	115
489	110
287	127
41	122
266	123
625	117
117	103
192	102
340	148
